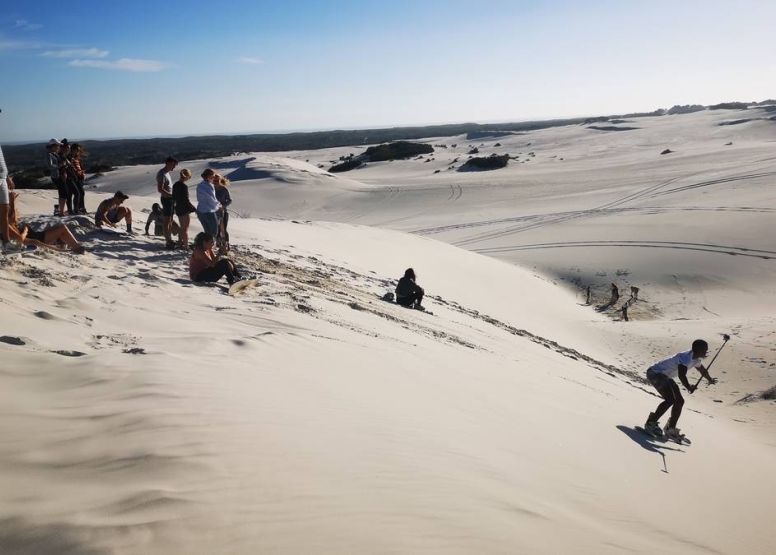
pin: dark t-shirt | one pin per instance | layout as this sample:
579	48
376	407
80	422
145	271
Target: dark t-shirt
180	194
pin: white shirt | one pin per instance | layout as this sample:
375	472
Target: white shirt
206	198
670	366
3	167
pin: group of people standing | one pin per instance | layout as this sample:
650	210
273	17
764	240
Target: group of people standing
213	198
64	163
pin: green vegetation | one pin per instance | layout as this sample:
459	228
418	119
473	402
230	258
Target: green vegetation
398	150
492	162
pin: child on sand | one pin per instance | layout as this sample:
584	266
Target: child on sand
661	376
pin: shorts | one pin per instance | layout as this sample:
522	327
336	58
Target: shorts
37	235
61	187
659	381
112	216
5	196
167	207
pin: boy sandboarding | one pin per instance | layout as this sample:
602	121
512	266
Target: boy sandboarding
661	376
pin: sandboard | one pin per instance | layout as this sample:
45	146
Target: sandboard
240	286
112	230
683	441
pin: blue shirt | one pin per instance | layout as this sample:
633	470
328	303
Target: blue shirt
206	198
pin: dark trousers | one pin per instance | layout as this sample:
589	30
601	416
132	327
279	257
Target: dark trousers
73	199
671	394
222	268
410	300
79	186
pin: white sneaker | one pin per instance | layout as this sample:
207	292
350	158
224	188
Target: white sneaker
12	246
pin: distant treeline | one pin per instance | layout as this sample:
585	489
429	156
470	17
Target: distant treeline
27	162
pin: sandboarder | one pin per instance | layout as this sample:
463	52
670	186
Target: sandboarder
661	376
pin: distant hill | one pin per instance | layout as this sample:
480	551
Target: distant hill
27	162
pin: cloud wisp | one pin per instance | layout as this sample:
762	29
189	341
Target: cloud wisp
25	25
250	60
124	64
76	53
18	45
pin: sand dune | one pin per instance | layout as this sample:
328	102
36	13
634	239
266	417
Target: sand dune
143	414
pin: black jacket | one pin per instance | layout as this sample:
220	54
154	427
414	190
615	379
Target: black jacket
406	287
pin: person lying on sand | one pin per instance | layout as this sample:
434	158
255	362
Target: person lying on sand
110	212
661	376
205	265
408	293
52	236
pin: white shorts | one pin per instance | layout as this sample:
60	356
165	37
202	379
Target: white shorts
4	195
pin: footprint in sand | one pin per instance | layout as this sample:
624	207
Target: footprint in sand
45	315
12	340
66	353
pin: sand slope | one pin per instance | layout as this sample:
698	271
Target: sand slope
142	414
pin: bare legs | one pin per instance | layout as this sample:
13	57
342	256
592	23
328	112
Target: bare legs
184	219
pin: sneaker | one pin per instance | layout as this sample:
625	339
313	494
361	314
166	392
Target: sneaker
12	246
419	307
673	433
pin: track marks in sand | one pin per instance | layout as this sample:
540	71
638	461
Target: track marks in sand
703	247
313	282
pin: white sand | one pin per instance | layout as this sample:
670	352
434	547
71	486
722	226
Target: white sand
308	416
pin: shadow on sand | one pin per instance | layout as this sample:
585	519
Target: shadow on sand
648	443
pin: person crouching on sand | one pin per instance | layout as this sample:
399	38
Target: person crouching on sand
408	293
661	376
205	265
110	212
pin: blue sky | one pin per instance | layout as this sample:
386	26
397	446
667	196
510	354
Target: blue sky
88	69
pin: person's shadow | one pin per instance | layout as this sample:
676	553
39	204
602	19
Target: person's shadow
648	443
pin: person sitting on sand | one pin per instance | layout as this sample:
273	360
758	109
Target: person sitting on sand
157	217
661	376
408	293
22	233
110	212
205	265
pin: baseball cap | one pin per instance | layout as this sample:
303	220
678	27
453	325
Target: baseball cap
53	142
120	195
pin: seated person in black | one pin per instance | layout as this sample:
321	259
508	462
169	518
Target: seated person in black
205	265
408	293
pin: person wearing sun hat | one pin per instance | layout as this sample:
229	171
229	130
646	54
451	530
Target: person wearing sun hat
56	168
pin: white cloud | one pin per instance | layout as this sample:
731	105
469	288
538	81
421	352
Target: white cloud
17	45
25	25
76	53
124	64
249	60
